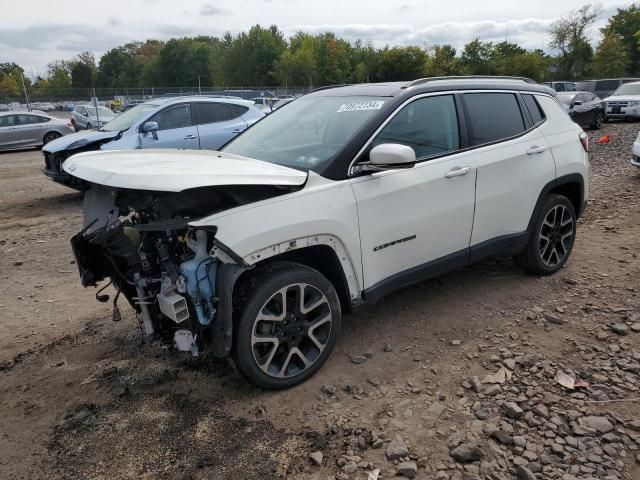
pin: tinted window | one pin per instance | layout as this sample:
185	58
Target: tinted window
571	87
559	87
607	84
237	110
30	119
588	86
178	116
534	109
212	112
493	116
428	125
8	120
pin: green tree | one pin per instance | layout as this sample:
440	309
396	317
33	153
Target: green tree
476	58
443	62
569	38
401	63
83	70
611	58
298	66
626	24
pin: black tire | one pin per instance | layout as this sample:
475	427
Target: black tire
259	294
73	124
598	121
536	257
49	137
89	126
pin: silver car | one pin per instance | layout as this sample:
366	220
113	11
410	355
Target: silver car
86	117
184	122
30	129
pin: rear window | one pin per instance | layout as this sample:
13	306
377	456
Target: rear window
212	113
493	116
237	110
585	86
537	115
607	84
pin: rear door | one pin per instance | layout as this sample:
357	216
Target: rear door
218	122
9	134
31	129
514	163
176	129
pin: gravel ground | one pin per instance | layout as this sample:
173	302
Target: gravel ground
486	373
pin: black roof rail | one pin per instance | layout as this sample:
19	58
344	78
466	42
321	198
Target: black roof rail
421	81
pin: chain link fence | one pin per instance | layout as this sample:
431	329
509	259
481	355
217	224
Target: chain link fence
66	99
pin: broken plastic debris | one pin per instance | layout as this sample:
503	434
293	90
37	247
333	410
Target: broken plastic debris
500	376
567	381
374	475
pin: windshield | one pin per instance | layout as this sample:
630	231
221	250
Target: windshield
565	99
128	118
628	89
102	111
308	133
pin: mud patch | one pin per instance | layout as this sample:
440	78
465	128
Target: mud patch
173	436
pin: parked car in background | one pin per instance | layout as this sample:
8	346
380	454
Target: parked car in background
23	129
624	102
183	122
561	86
264	104
4	107
584	108
603	88
281	103
332	202
635	152
86	117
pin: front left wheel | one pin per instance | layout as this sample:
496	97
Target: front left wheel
287	326
598	122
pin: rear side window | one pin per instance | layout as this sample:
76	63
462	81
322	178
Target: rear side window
586	86
237	110
428	125
212	113
534	109
607	84
493	116
178	116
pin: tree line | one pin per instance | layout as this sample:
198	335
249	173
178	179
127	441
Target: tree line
264	57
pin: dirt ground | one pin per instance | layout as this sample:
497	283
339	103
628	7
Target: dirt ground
80	397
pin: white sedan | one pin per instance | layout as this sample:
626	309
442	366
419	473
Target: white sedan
635	152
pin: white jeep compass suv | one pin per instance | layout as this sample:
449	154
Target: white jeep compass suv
329	203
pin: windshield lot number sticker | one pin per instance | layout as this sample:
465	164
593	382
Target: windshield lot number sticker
360	106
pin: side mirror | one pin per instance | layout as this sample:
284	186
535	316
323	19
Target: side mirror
577	103
389	156
85	114
152	128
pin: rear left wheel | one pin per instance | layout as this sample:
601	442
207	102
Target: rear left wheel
287	327
50	137
598	122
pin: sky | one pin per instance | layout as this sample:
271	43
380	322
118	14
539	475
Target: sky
35	32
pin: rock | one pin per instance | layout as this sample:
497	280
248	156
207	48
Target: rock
633	425
358	359
467	452
599	424
512	410
408	469
493	390
503	437
388	348
620	328
350	467
17	263
525	474
396	449
556	320
455	343
541	411
316	458
635	327
329	389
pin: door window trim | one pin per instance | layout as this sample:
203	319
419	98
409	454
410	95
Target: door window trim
462	123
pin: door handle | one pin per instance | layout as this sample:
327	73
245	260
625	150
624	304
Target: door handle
238	130
536	150
457	172
190	137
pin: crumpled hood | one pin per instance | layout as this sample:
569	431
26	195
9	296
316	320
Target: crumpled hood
177	170
77	140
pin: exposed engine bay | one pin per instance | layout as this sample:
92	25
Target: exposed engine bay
178	279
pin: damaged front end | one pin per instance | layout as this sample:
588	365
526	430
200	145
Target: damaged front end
178	279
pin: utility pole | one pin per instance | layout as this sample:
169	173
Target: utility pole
24	88
199	89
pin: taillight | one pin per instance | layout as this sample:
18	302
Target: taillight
584	140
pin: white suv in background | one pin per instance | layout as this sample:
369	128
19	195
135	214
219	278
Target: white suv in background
348	193
624	102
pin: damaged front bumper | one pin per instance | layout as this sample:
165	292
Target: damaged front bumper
178	279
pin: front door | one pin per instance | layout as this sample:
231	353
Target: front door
9	134
417	221
176	129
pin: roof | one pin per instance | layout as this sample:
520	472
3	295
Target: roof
27	112
197	98
434	84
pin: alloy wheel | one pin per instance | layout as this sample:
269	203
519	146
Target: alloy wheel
291	330
556	236
49	137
